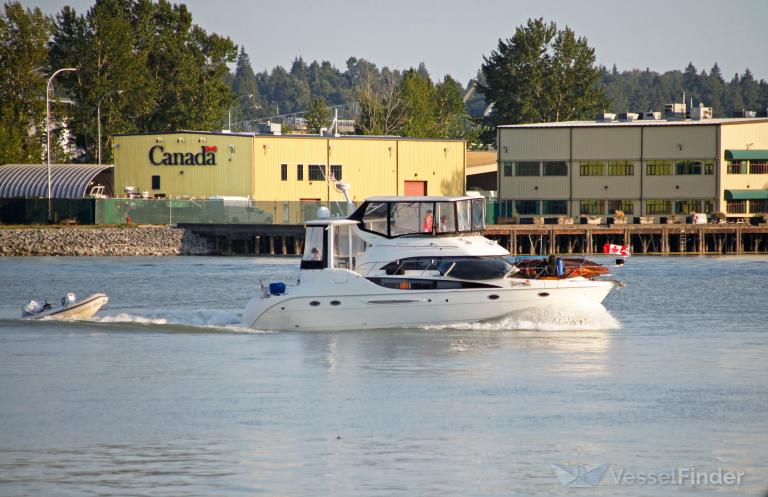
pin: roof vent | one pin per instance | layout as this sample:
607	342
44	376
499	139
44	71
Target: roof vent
628	117
745	113
701	112
605	117
650	116
675	112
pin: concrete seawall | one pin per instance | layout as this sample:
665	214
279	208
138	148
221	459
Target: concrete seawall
134	241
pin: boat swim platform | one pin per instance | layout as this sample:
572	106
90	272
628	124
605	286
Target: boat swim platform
521	239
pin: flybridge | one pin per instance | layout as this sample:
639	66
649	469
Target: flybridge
205	157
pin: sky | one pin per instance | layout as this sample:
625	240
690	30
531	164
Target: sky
452	36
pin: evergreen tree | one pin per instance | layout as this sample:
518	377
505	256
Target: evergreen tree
243	84
450	114
419	108
540	75
318	115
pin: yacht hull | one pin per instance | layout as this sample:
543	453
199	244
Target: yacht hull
364	305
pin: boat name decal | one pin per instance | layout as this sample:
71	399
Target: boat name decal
205	157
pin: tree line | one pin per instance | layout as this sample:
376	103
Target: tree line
147	67
640	91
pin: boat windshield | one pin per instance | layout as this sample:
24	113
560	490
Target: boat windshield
393	219
464	268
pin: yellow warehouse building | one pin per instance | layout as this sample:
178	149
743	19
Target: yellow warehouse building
191	164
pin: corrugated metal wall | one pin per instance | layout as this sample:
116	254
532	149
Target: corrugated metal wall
230	176
252	166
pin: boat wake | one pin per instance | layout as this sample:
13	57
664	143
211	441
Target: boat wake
207	319
574	316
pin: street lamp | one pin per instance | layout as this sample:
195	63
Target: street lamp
48	132
98	118
229	127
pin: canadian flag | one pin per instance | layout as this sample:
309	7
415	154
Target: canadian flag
211	148
622	250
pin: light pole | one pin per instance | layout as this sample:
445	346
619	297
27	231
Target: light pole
98	118
48	132
229	126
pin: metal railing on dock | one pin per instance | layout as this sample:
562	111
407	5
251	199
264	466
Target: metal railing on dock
659	239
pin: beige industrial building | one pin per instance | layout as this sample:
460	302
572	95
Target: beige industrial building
643	167
270	168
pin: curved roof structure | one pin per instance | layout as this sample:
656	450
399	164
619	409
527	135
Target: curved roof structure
31	180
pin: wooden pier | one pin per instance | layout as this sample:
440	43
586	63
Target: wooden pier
651	239
522	239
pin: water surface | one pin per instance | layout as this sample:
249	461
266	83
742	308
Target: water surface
165	395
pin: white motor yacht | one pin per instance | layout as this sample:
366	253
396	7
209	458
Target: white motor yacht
413	261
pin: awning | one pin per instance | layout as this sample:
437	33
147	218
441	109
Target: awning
746	155
746	194
31	180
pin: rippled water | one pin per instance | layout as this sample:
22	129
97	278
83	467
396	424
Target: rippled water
164	394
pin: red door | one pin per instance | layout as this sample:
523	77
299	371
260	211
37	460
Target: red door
415	188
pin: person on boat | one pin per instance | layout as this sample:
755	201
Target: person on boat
426	226
316	255
443	224
553	266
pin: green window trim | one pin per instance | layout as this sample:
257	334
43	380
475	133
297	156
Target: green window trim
621	168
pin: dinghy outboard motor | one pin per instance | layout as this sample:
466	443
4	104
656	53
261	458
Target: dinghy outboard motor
68	299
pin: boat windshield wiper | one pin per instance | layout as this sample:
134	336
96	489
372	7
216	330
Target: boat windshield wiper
450	268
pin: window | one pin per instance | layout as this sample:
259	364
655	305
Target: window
736	206
758	167
659	168
709	167
527	169
592	168
558	168
155	182
411	218
446	217
737	167
758	206
462	215
314	248
316	172
625	206
658	207
555	207
507	167
299	172
621	168
283	172
592	207
336	172
527	207
478	214
687	206
688	167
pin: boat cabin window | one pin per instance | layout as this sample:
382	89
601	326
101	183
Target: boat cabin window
393	219
478	214
375	217
446	217
346	247
406	218
463	268
314	248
